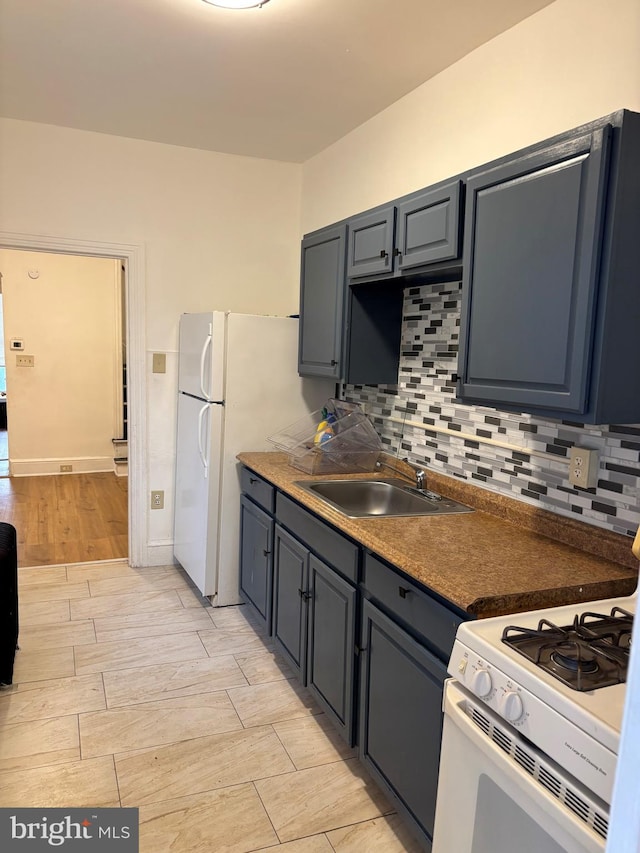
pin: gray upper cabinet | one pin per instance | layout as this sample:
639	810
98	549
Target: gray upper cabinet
344	335
550	304
371	243
428	227
322	283
415	231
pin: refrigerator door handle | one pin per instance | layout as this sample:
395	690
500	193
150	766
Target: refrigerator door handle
203	357
203	458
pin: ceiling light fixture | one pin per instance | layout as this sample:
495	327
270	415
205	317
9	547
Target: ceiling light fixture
237	4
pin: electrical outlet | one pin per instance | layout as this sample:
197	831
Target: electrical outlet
66	469
583	467
157	500
24	361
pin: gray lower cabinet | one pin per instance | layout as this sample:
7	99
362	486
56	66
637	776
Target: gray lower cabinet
256	558
331	644
314	627
401	717
257	505
290	596
406	641
316	570
370	644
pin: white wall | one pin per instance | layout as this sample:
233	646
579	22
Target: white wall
572	62
62	411
219	231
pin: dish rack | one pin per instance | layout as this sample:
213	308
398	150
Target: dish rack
338	438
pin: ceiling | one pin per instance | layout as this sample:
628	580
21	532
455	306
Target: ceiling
282	82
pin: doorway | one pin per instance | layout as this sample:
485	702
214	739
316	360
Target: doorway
4	436
134	301
63	320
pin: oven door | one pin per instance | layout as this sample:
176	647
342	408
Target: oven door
498	793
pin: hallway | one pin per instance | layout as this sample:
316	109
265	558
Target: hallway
67	518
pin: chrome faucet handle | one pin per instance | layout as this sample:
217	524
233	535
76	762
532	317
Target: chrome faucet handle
420	474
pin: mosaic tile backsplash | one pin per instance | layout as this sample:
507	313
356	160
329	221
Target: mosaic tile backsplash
457	439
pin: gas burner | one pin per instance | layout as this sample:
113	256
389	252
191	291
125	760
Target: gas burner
574	664
590	653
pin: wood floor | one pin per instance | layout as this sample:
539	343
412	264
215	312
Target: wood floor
67	518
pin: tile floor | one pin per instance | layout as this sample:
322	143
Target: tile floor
129	691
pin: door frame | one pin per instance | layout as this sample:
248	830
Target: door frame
133	256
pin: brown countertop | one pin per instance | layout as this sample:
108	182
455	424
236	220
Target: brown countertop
489	562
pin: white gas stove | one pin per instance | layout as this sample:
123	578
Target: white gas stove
577	726
535	706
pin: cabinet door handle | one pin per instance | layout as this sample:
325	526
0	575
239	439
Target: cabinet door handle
396	252
265	552
383	254
304	594
333	362
359	649
403	592
253	480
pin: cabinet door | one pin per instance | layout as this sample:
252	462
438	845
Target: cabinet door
290	595
331	644
371	237
401	716
322	284
256	558
428	227
532	229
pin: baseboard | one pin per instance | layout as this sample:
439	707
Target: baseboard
160	555
79	465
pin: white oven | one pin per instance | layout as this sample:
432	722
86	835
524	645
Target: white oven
528	761
499	794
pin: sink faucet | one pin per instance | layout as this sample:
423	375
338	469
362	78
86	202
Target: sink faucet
421	474
421	477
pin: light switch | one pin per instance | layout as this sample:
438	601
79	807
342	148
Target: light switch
159	363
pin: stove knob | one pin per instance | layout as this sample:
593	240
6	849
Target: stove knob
511	707
481	683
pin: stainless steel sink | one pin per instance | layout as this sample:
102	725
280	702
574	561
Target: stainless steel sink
379	498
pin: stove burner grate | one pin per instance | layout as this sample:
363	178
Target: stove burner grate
590	653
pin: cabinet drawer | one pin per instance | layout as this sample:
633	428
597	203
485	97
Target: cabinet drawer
259	490
404	599
333	547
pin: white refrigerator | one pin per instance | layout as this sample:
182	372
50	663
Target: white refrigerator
237	384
